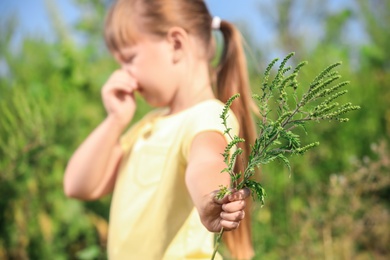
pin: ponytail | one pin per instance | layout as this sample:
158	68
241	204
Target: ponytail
232	78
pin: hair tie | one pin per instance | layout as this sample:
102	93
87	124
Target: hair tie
216	23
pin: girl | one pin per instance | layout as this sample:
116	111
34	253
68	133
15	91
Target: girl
165	171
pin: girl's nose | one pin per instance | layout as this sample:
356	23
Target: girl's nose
132	81
128	68
125	67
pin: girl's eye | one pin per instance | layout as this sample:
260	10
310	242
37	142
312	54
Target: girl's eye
128	59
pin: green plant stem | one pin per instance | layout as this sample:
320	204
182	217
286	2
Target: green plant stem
219	237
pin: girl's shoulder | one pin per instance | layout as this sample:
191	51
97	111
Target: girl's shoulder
207	115
210	107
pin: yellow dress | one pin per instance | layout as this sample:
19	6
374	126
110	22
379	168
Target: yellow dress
152	215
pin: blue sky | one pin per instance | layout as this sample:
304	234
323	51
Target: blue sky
33	17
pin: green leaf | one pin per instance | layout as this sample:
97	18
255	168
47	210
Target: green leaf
223	191
257	191
285	160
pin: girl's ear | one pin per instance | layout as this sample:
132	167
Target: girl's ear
178	39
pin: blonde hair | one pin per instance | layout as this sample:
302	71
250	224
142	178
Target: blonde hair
125	21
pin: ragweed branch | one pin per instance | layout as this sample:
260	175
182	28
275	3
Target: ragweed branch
282	112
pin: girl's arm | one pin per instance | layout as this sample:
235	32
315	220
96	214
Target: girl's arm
203	178
91	172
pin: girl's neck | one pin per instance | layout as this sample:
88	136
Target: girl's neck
195	87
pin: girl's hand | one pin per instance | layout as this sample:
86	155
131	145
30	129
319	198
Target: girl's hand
118	96
228	212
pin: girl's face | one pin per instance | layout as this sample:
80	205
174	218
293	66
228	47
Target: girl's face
151	64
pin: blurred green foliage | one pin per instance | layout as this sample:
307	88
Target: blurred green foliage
335	205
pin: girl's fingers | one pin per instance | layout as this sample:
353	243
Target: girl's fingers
240	195
234	206
234	196
120	80
230	221
117	89
229	225
121	85
234	217
221	201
